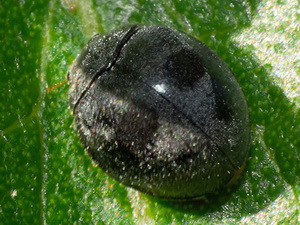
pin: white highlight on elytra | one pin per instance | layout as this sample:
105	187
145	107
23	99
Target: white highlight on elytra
161	88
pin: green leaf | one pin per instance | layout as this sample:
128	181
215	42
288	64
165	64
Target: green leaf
45	175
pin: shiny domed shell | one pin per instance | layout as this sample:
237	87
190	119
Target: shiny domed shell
160	112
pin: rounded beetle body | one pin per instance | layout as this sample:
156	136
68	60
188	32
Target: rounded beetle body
159	111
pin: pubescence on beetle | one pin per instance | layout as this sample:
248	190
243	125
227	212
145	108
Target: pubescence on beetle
160	112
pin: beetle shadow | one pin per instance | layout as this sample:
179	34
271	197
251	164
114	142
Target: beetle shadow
274	152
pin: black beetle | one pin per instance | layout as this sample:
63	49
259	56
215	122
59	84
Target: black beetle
160	112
